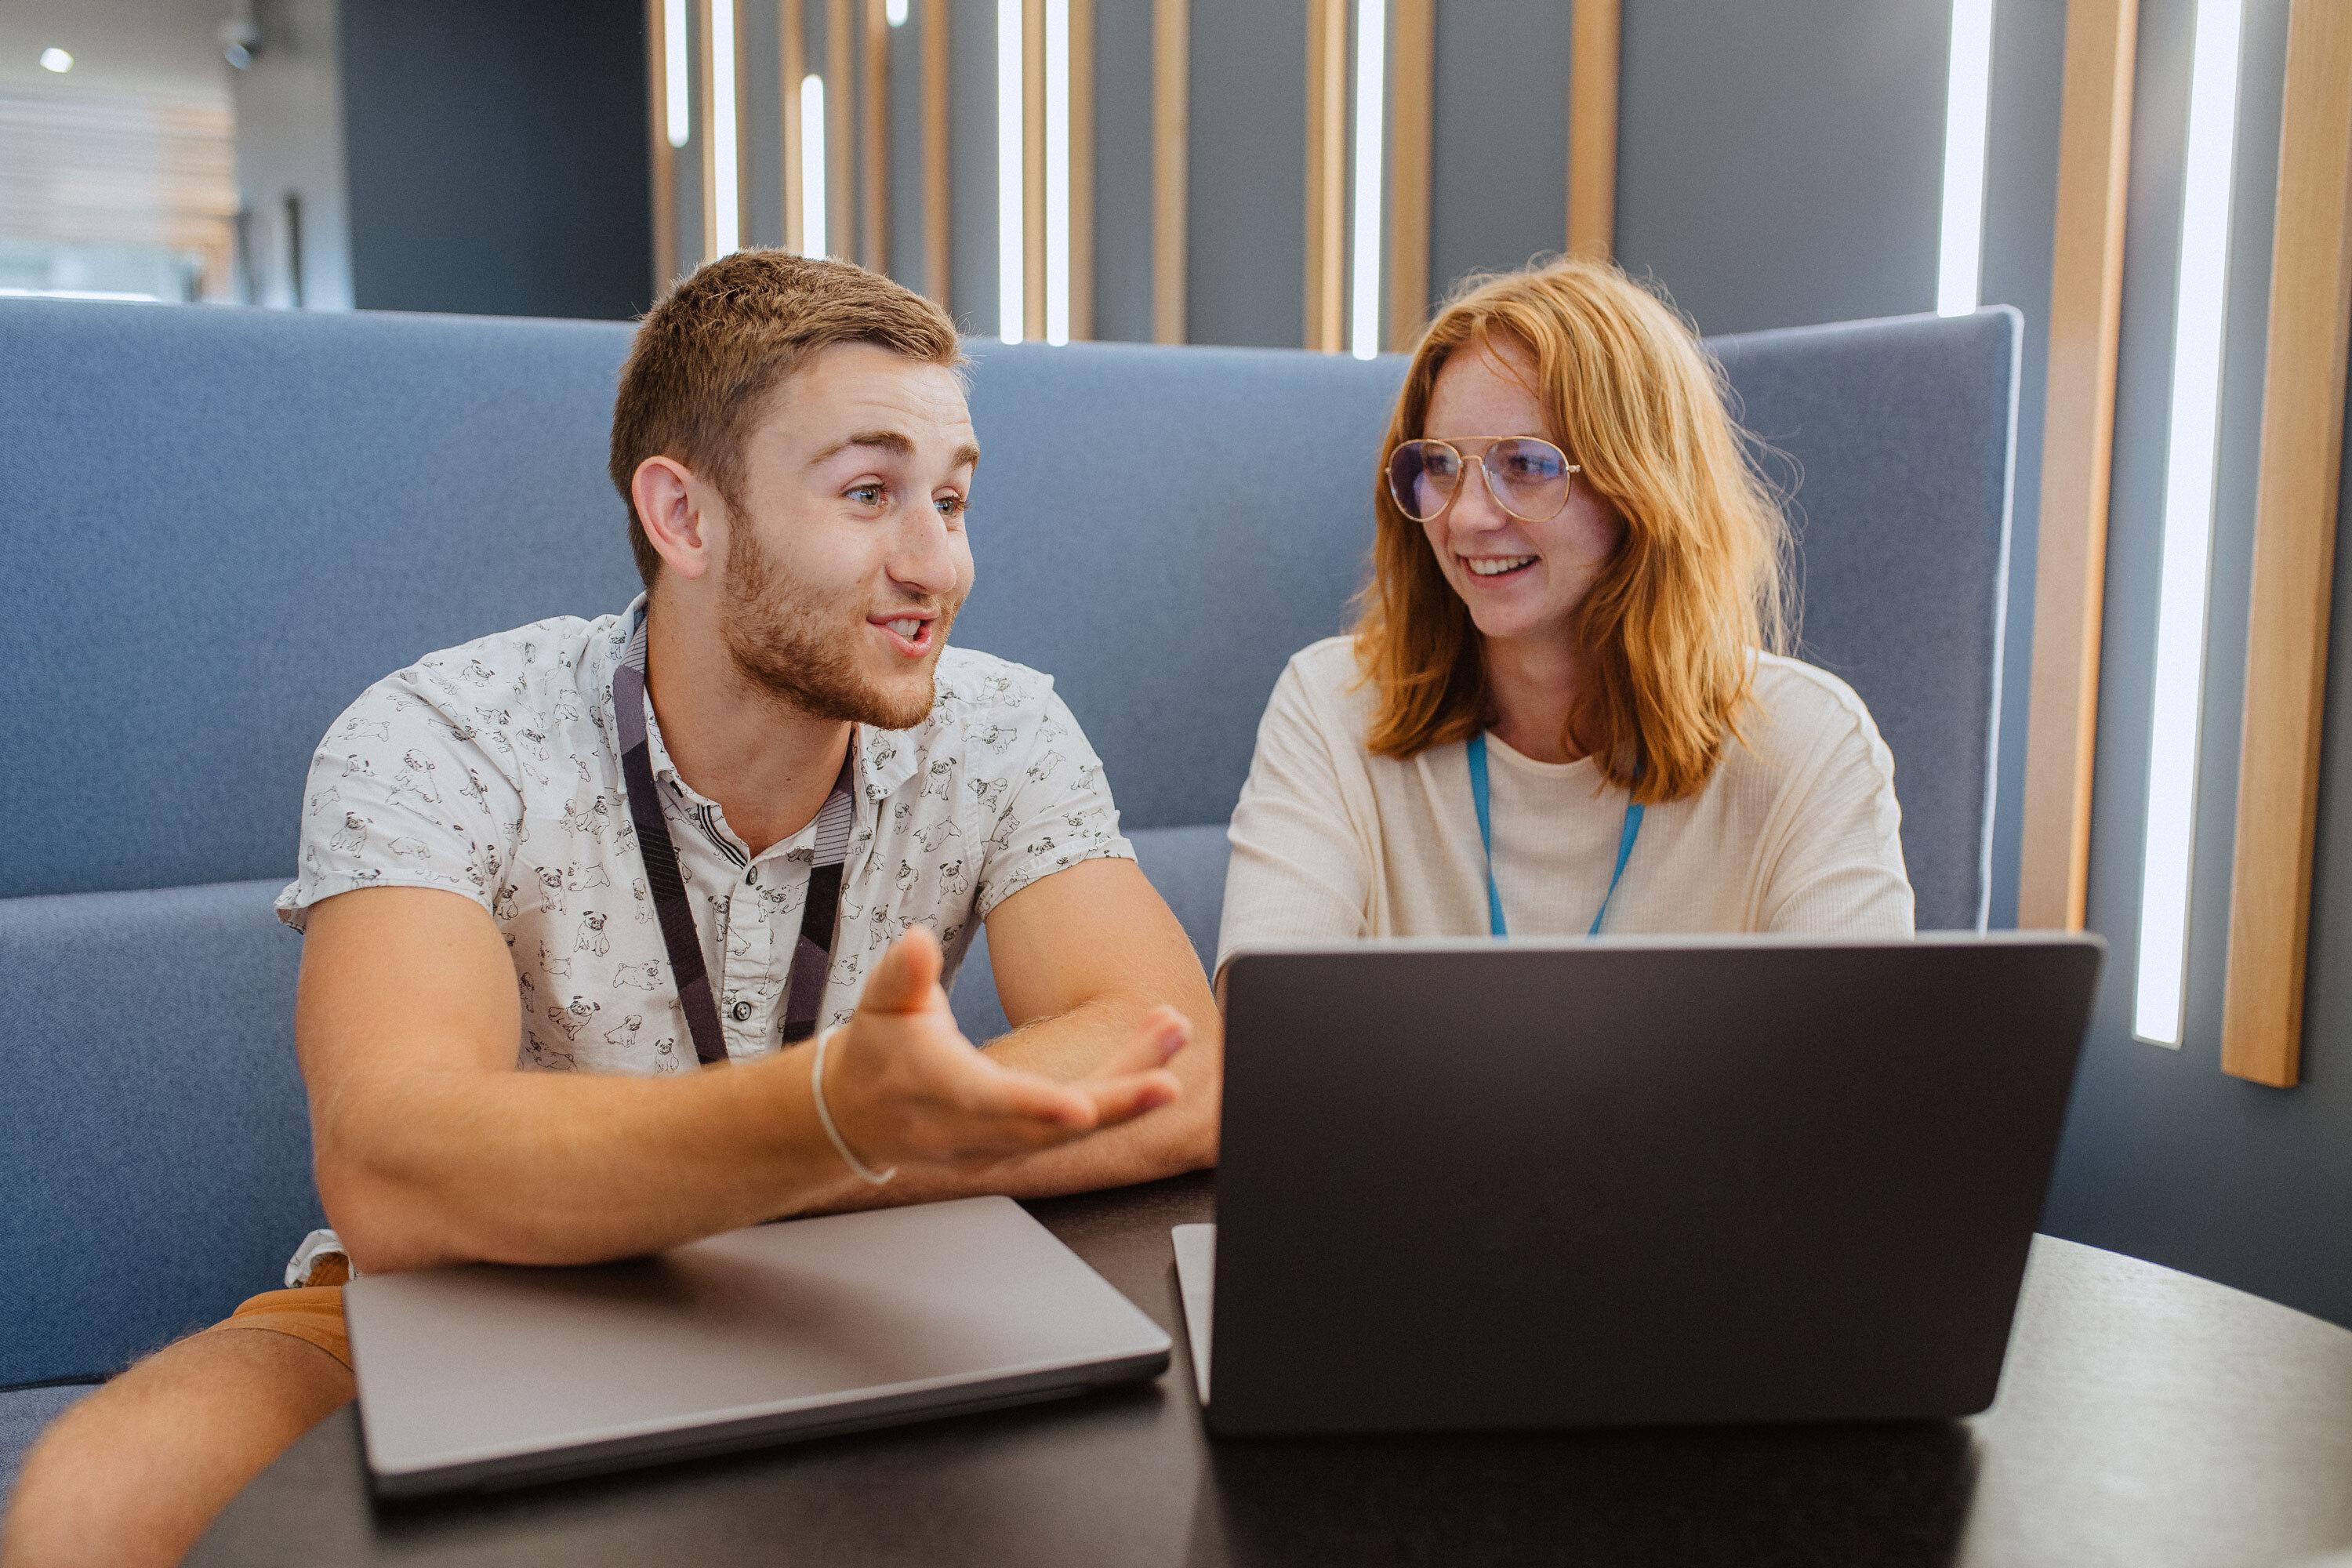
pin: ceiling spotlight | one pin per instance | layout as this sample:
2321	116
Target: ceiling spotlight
896	12
241	41
57	60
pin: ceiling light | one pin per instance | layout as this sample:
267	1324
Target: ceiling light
57	60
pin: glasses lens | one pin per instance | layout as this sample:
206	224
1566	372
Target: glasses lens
1530	477
1421	477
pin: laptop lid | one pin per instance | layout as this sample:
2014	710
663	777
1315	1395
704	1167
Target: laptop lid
489	1375
1632	1180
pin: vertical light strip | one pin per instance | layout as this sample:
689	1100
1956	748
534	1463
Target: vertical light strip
674	50
812	235
726	176
1372	126
1009	169
1058	171
1966	106
895	13
2199	313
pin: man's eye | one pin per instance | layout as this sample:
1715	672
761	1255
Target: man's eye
951	506
867	495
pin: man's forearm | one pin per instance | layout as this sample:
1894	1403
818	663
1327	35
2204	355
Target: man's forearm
522	1167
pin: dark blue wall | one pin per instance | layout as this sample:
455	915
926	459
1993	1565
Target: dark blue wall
498	157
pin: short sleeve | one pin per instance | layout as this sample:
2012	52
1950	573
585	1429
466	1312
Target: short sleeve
1056	811
400	795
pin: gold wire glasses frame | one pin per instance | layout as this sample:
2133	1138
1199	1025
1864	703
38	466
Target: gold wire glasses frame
1414	453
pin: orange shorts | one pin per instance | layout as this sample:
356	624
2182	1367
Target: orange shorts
311	1313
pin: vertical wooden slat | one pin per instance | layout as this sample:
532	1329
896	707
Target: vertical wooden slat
1327	175
2294	553
792	64
840	129
1033	169
702	133
1592	130
1412	95
936	254
664	165
1082	169
1171	123
873	154
2077	451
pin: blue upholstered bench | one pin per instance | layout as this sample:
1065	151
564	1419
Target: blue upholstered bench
219	525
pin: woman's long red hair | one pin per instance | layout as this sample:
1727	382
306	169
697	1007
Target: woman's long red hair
1671	627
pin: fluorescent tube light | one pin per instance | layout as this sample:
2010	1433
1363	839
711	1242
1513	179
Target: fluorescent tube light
681	122
1010	294
1058	171
727	220
1966	110
2199	314
812	240
1371	124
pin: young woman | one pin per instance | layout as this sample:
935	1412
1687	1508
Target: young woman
1562	709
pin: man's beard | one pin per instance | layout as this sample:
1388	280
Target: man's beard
788	643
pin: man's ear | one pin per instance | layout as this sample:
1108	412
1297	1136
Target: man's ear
677	510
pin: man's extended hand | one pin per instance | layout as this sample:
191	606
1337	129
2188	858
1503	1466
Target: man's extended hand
905	1086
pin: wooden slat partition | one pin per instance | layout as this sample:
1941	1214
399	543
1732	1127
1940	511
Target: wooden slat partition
791	66
937	270
1592	129
2294	553
1172	122
2077	451
663	164
840	130
1411	97
702	141
874	151
1327	175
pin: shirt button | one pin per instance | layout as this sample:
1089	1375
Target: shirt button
741	1011
752	875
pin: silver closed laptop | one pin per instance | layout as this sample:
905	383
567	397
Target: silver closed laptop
487	1375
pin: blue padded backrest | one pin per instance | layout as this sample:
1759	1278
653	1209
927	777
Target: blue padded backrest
154	1146
220	525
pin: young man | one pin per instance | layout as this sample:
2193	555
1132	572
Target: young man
749	823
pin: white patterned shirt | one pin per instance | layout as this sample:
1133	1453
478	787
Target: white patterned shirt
493	771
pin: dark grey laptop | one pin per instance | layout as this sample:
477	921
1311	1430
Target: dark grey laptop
1627	1180
483	1376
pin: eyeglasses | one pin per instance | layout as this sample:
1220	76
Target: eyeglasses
1526	474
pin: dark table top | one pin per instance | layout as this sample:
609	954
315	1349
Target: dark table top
2146	1418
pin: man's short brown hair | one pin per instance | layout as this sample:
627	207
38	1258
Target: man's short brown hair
706	358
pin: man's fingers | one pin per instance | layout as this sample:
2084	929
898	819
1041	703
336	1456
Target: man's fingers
908	976
1163	1033
1125	1099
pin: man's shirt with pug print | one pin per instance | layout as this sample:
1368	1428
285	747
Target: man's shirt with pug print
491	771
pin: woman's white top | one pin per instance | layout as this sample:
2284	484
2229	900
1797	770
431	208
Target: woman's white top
1798	831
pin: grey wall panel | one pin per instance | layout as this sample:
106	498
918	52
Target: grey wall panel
497	156
908	243
2020	199
1780	161
1246	251
760	90
1123	171
971	165
1499	137
2165	1156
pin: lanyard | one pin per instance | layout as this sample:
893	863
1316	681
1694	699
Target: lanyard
812	955
1631	831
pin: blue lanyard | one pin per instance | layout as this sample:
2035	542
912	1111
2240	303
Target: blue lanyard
1632	830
